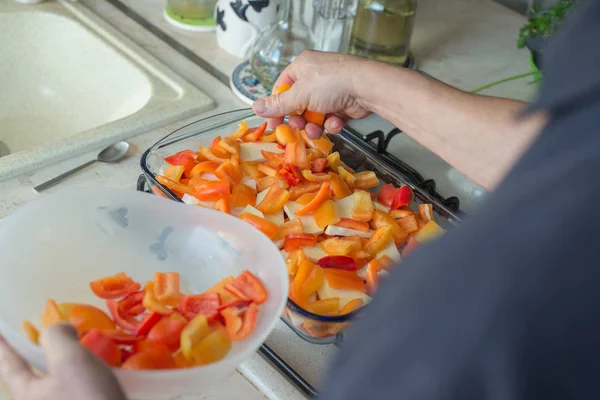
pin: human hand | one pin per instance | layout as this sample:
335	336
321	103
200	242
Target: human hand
73	372
322	82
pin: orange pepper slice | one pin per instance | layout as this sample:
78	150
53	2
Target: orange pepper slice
255	133
239	328
206	190
322	195
230	172
175	186
304	188
379	239
295	154
274	200
212	348
223	206
268	171
293	261
323	145
243	195
211	156
284	87
362	207
274	160
347	176
352	305
338	247
262	224
285	134
314	117
325	214
150	301
312	283
292	227
250	168
352	224
226	296
372	278
426	212
241	131
32	332
174	172
306	198
382	219
269	138
342	279
365	180
315	177
329	307
409	224
305	267
51	314
196	330
204	166
339	187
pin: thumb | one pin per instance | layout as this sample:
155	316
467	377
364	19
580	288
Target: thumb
61	347
281	104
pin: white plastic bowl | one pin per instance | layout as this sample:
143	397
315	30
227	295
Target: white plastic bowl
54	246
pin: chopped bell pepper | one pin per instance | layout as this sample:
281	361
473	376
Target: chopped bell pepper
262	224
365	180
338	247
223	206
334	160
274	200
224	294
341	279
114	286
401	213
240	131
408	224
347	176
166	288
230	146
290	174
274	160
295	154
318	177
295	241
382	219
217	150
131	304
268	171
120	337
411	245
314	117
322	144
85	317
338	262
314	154
51	314
293	261
267	182
306	198
240	328
312	283
349	223
426	212
429	232
206	190
372	278
271	138
362	206
212	348
204	166
292	227
304	188
254	134
174	186
123	320
326	214
305	267
151	303
318	165
243	195
103	347
403	198
186	158
352	305
386	262
339	187
206	304
285	134
174	172
379	239
248	287
250	168
196	330
209	154
284	87
32	332
386	194
228	171
322	195
167	332
329	307
147	323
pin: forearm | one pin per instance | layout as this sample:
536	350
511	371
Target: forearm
478	135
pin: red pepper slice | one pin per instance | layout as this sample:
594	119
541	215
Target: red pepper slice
338	262
167	332
103	347
147	323
403	197
290	174
318	165
295	241
253	134
132	304
387	193
239	302
206	304
120	337
126	322
237	327
114	286
248	287
185	158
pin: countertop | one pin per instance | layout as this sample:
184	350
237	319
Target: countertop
466	43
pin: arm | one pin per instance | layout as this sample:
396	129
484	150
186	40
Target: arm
478	135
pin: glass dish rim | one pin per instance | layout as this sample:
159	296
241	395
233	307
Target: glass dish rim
163	142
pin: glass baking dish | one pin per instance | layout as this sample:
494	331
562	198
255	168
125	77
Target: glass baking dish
311	327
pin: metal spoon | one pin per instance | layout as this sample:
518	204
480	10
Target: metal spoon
113	153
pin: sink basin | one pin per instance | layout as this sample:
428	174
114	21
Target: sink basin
71	82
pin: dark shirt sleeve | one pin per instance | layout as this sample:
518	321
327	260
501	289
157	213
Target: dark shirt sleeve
504	306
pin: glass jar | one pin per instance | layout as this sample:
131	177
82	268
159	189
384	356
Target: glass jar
382	30
278	46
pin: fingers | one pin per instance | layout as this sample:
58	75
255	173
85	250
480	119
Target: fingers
273	123
334	123
61	347
280	104
288	75
313	131
297	122
14	371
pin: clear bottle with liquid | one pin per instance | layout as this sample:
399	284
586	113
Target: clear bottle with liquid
382	30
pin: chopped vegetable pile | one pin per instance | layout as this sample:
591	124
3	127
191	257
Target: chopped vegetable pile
337	237
159	327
